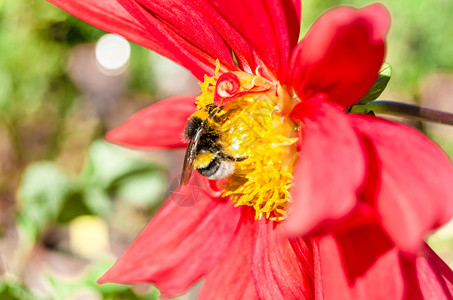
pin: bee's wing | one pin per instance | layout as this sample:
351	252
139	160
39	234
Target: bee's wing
189	158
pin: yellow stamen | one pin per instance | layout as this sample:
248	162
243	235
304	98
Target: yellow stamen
255	127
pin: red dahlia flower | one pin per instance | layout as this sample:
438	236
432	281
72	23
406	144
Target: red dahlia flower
325	204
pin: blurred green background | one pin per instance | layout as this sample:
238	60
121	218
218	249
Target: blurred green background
70	203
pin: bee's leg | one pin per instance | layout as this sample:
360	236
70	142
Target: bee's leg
225	156
242	158
230	157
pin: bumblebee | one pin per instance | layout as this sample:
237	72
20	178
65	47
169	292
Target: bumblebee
206	151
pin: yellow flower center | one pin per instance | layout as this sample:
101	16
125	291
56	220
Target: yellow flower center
255	130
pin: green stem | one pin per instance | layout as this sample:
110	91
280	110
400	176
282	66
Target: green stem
404	110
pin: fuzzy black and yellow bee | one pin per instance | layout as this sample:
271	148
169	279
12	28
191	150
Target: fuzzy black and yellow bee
206	151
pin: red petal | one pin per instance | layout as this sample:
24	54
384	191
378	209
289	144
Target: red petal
181	28
329	171
431	274
414	193
232	277
341	54
243	52
159	125
271	27
282	268
298	8
185	20
363	264
359	264
197	22
179	245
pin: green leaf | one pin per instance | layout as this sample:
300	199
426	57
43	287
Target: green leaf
143	189
107	163
73	206
98	202
11	289
378	86
61	290
42	193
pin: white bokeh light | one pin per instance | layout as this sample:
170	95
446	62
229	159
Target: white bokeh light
112	54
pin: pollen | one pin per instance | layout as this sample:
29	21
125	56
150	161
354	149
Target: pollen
203	159
256	131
